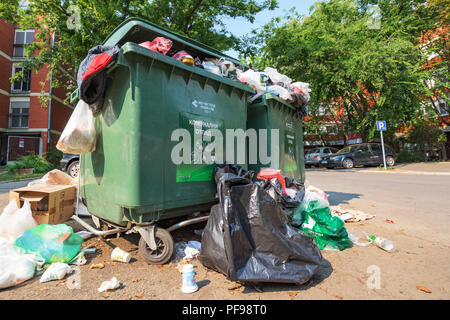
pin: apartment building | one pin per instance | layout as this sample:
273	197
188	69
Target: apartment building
25	126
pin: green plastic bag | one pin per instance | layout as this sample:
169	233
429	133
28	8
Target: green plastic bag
54	243
328	232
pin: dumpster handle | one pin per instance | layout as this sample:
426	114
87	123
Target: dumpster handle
95	231
186	223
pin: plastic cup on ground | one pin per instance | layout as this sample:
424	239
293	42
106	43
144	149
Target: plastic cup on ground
120	255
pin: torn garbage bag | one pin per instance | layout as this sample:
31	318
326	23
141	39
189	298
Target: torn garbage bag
91	77
247	239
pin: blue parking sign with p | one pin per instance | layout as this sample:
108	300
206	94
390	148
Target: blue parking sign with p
381	125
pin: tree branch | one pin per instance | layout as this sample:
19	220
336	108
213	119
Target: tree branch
190	17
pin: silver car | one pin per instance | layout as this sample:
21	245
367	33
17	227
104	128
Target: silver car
314	156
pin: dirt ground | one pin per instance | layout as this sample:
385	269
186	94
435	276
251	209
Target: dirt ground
421	257
343	275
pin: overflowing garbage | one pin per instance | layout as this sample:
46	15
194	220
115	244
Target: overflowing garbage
247	237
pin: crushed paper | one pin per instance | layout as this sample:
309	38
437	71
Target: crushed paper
350	215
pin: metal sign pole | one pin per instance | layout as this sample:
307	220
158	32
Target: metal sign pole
382	148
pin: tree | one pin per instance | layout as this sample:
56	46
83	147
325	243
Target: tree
82	24
376	71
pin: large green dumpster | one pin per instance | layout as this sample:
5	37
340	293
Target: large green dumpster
270	112
131	176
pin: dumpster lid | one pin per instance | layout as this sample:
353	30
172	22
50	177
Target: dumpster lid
138	30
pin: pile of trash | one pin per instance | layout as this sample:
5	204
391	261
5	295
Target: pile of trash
273	82
91	80
33	236
247	237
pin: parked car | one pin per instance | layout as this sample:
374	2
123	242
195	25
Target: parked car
313	156
70	163
367	154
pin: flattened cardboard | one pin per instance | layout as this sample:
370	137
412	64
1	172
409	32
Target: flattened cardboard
50	204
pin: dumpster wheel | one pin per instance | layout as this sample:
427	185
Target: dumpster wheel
164	250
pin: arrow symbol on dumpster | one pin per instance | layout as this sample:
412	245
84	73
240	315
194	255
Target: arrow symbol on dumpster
195	103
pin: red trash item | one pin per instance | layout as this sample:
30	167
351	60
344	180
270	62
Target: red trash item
97	64
272	173
159	44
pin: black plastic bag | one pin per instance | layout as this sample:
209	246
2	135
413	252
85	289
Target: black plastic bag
247	239
274	189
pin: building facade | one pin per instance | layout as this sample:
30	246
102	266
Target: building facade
25	126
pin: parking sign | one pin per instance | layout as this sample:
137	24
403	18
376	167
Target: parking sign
381	125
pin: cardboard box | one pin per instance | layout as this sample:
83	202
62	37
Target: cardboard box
50	204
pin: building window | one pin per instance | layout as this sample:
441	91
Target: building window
18	118
442	107
22	38
24	84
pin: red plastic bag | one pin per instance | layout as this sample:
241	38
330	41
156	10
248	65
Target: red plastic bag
159	44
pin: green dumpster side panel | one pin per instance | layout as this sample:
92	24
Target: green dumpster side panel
270	112
130	175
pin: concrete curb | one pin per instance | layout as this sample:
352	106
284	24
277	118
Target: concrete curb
410	172
9	181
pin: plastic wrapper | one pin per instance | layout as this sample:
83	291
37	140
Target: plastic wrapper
253	79
278	78
184	57
159	44
15	221
15	266
279	91
247	239
212	67
54	243
79	135
56	271
109	285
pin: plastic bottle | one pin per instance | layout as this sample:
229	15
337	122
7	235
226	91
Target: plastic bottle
382	243
189	284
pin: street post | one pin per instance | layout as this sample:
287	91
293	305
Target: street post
381	126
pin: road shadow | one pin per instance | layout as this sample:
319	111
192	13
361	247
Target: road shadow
324	271
337	198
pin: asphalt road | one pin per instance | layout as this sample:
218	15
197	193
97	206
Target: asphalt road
419	203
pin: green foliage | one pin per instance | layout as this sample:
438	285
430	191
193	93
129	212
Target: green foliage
39	164
54	156
372	73
406	156
198	19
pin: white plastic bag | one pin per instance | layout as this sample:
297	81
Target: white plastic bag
16	267
304	87
79	135
314	194
282	92
253	79
278	78
109	285
56	271
14	221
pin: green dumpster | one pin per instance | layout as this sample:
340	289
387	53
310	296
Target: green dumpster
130	177
270	112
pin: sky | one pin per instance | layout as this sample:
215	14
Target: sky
240	26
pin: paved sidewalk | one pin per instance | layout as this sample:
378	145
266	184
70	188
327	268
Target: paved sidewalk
421	168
